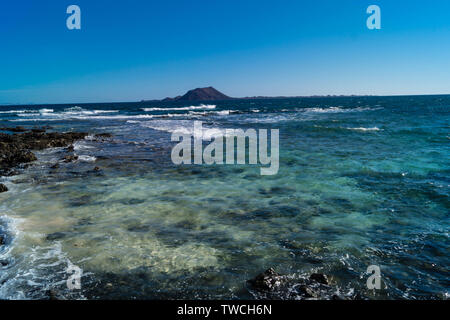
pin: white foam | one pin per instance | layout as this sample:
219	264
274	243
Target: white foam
46	110
365	129
27	111
81	145
205	113
271	118
200	107
223	112
183	127
59	117
87	158
336	109
18	111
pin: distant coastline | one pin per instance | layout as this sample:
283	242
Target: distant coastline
212	94
219	98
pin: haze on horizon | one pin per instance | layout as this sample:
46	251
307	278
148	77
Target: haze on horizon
135	50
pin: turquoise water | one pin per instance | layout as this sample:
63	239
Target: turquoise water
362	181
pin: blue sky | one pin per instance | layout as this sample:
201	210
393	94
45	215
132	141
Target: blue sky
133	50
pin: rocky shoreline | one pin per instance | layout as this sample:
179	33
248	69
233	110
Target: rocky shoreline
16	149
317	286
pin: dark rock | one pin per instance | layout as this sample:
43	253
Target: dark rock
139	228
70	148
16	129
2	240
55	236
103	135
70	158
38	130
319	278
267	281
3	263
3	188
81	201
15	149
55	166
308	291
132	201
96	169
52	295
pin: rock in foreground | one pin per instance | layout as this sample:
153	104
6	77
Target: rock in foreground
3	188
269	280
16	149
271	285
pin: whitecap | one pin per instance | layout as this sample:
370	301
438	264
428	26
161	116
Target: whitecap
365	129
59	117
200	107
87	158
18	111
46	110
183	127
336	109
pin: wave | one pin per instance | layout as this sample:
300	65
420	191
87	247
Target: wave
77	110
61	117
14	111
337	109
205	113
46	110
271	118
185	127
27	111
348	128
365	129
200	107
87	158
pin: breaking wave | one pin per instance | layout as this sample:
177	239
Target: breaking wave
200	107
337	109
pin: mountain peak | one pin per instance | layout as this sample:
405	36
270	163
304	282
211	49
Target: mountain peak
202	94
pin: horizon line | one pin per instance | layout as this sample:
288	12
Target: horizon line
233	98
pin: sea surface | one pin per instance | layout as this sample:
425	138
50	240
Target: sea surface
362	181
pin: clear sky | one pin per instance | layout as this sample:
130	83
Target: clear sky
132	50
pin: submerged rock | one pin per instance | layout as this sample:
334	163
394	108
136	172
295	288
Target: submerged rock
16	129
3	188
269	280
2	240
70	148
55	166
319	278
55	236
38	130
70	158
52	295
103	135
308	291
271	285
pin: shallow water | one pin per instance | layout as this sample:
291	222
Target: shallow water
362	181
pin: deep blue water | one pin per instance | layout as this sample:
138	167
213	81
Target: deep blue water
362	181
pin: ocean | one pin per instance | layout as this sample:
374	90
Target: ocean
362	181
